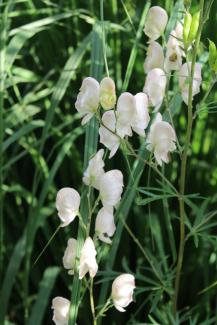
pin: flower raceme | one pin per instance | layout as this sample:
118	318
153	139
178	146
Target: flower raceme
67	204
94	170
60	308
92	94
184	78
88	259
161	140
105	226
70	256
156	22
122	291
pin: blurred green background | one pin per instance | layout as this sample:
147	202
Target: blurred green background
43	150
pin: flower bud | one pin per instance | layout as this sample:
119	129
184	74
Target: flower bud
60	308
107	93
105	226
212	56
184	79
161	139
67	204
155	86
186	28
155	57
94	170
156	22
111	188
87	102
194	27
70	256
122	291
88	259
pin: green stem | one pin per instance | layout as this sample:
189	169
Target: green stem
92	302
184	164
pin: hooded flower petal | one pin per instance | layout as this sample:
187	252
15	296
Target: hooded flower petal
155	86
141	118
60	308
70	255
173	60
125	114
107	132
107	93
105	226
67	204
111	187
88	259
122	291
154	58
94	170
156	22
184	78
87	102
161	140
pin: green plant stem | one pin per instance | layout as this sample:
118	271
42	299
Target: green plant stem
92	302
184	164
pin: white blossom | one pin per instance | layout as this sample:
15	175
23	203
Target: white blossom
105	226
122	291
67	204
154	57
141	117
173	60
87	102
88	259
60	308
94	170
107	93
70	255
111	187
156	22
155	86
184	79
161	140
107	132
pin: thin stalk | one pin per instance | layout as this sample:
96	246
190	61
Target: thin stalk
184	164
92	302
103	36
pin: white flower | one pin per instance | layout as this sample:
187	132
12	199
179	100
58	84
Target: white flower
87	102
88	259
60	308
94	170
173	60
122	291
141	118
107	132
156	22
155	86
70	255
161	140
111	187
105	226
67	204
154	57
132	114
184	79
107	93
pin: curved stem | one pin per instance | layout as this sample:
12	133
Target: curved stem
184	164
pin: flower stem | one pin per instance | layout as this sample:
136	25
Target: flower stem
184	164
92	302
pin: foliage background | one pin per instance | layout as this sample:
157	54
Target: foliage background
43	150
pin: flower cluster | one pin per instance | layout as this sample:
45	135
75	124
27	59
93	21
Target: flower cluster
119	119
